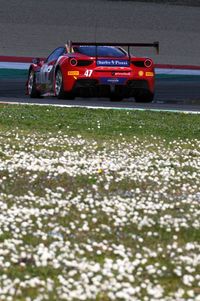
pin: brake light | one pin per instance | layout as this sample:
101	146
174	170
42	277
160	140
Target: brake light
148	63
73	62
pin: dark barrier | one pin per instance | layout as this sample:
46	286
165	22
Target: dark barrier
174	2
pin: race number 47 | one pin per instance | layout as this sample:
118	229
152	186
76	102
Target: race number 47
88	73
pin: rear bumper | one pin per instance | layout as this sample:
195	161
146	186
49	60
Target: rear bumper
92	88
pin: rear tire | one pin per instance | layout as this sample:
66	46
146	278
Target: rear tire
59	89
144	96
31	87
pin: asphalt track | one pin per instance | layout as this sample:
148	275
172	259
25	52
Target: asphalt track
171	94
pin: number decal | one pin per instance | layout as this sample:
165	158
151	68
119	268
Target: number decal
88	73
49	68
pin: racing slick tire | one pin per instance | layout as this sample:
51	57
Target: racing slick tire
144	96
31	86
58	87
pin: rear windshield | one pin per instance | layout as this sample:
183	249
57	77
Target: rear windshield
103	51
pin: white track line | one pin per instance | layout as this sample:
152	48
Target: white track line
177	72
103	108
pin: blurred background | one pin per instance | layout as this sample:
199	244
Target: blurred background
34	28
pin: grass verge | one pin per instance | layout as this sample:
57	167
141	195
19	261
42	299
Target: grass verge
99	204
100	123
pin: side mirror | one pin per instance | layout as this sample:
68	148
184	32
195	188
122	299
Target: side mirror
36	61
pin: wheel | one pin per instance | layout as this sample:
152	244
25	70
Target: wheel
59	92
145	96
58	86
32	91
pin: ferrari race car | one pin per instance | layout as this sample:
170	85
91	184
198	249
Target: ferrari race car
81	69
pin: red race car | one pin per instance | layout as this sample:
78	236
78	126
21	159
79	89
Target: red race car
93	70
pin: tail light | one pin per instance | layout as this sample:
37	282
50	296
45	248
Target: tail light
148	63
73	62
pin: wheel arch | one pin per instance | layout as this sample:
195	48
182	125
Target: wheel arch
30	69
57	68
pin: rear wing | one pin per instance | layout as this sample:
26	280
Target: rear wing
154	45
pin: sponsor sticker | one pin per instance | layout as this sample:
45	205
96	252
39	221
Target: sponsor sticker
112	81
120	63
149	74
74	73
122	73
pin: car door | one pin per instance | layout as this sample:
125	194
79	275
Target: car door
47	70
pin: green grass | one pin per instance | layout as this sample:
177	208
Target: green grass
113	123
